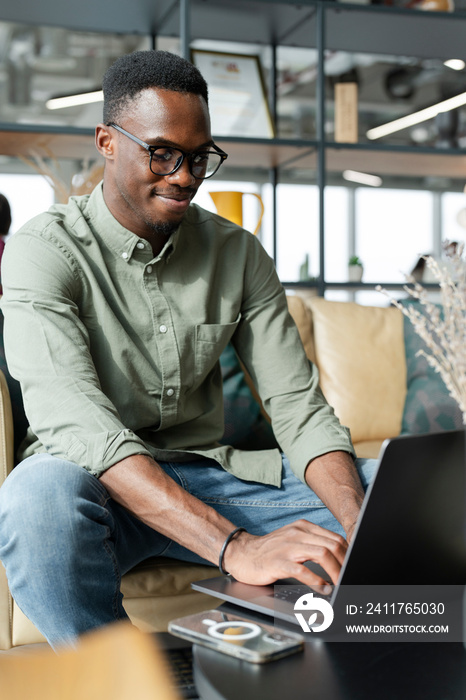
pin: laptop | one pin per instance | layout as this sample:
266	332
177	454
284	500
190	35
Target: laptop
411	529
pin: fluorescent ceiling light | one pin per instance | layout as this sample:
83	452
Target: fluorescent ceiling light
75	100
455	64
362	178
417	117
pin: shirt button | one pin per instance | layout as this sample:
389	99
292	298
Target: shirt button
149	269
163	329
170	392
125	256
140	245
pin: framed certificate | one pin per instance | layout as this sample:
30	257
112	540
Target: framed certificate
237	97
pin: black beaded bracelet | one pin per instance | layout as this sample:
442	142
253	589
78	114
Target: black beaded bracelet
225	545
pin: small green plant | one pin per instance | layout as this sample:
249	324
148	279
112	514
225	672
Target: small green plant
355	260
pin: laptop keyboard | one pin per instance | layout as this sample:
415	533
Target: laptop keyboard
290	595
181	671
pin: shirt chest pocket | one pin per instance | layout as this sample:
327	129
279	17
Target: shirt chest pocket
211	340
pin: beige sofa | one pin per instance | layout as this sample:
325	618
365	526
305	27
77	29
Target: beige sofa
360	354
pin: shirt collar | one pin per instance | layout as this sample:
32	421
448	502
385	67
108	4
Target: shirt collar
118	238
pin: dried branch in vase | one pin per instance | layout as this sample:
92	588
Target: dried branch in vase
442	326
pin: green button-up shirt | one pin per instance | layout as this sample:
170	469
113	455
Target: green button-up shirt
117	350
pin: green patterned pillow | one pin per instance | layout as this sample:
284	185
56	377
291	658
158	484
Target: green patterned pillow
245	426
428	406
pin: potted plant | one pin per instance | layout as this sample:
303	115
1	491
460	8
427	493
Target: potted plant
355	269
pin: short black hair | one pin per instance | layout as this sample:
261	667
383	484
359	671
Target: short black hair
137	71
5	215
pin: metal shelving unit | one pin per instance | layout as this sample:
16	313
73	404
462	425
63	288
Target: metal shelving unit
312	24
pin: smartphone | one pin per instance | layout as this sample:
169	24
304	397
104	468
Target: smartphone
237	636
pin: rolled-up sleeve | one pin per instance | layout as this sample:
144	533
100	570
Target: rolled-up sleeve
47	350
269	345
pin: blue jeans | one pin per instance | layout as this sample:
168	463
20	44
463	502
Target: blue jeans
65	543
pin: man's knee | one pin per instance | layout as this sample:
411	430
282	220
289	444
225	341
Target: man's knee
367	469
42	491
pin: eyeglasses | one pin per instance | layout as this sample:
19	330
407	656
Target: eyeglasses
165	160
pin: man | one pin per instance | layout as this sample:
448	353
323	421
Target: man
117	308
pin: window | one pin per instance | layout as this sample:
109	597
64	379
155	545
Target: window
28	196
393	227
454	217
297	232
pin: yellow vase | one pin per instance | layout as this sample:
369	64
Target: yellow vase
230	206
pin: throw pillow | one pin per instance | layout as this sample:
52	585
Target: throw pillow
428	406
246	428
360	356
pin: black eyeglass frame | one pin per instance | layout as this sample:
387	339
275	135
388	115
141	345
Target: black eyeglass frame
151	149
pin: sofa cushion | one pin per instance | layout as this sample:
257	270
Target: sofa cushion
368	449
163	576
428	406
361	360
303	318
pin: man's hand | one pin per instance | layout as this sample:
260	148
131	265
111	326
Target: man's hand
282	553
141	486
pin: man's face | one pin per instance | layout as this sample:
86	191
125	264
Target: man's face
142	202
